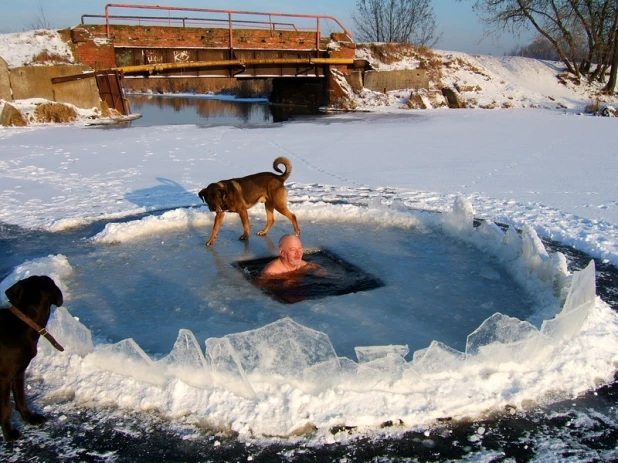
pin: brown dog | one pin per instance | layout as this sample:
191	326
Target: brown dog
33	296
240	194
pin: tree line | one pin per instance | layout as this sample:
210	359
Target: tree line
582	34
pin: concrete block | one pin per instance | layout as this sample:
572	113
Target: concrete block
35	82
380	81
5	82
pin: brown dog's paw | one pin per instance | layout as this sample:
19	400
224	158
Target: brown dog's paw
210	242
244	236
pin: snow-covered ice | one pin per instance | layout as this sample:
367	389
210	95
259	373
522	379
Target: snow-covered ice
545	173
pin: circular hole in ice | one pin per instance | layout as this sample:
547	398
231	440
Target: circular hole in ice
151	286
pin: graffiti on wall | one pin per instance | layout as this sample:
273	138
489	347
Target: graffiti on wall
153	56
181	56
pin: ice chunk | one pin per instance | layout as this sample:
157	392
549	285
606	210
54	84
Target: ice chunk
186	361
566	325
579	301
126	358
533	348
489	273
561	274
436	358
380	373
535	255
513	245
324	375
490	236
369	353
69	332
499	328
226	367
283	348
460	217
582	290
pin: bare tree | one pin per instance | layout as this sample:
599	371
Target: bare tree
402	21
38	19
582	32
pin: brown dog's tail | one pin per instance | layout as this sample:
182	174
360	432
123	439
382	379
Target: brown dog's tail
288	167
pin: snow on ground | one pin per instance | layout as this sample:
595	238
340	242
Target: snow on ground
21	48
57	177
548	172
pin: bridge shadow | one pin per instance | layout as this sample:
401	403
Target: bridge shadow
165	194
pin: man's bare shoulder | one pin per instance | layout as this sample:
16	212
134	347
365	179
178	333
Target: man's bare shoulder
274	267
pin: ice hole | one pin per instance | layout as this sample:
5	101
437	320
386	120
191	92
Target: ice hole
334	277
153	284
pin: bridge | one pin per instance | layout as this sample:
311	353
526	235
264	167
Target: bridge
141	41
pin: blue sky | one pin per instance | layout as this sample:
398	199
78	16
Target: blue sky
461	30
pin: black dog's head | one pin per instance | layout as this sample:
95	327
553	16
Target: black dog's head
214	195
35	294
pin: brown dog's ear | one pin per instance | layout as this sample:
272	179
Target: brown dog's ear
222	190
202	194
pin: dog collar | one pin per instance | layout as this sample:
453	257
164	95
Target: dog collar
32	324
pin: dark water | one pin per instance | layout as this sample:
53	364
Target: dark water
329	275
211	110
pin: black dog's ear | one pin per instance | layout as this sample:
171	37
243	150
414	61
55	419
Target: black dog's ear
15	294
29	291
48	285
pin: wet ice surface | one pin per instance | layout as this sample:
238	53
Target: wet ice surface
435	288
394	253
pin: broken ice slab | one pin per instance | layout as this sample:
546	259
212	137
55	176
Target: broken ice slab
513	245
580	299
499	328
535	255
69	332
227	370
126	358
186	361
583	288
437	358
283	348
461	217
380	373
565	326
324	375
490	236
533	349
368	353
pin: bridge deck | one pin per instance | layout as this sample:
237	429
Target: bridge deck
219	43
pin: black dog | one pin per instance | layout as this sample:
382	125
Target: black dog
33	296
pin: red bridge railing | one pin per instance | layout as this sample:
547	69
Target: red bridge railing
233	18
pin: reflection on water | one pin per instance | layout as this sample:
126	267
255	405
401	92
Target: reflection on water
209	110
